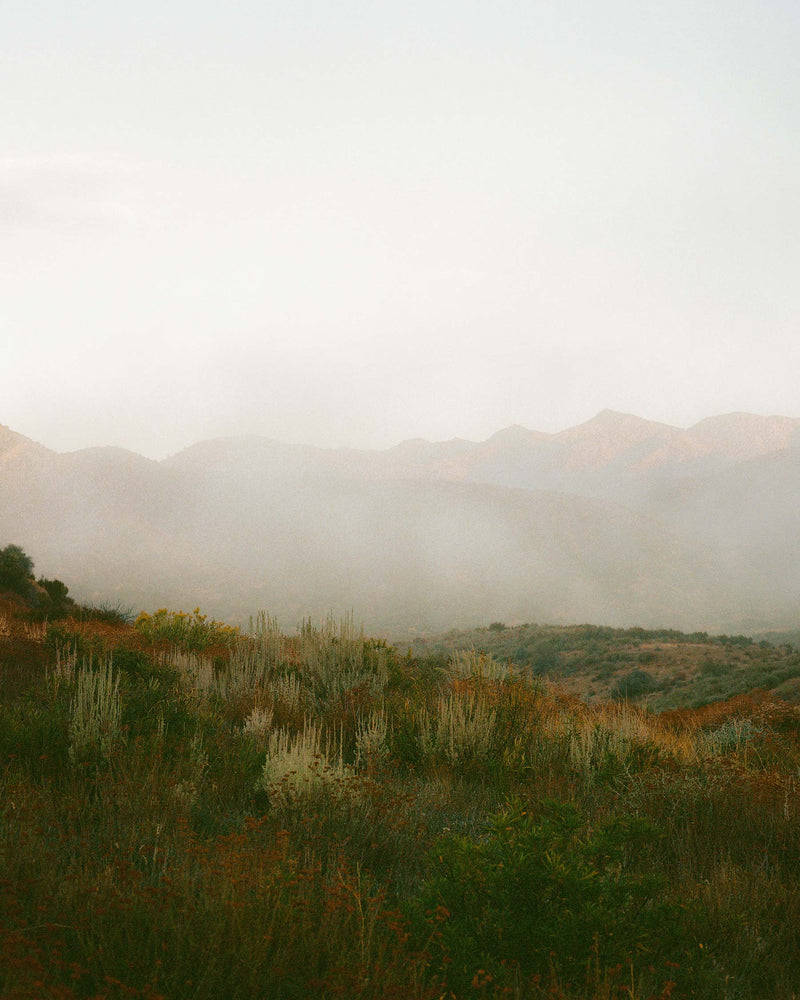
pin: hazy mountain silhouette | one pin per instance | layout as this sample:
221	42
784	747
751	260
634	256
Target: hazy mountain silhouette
613	454
617	521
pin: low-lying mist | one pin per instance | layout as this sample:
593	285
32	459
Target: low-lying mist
412	546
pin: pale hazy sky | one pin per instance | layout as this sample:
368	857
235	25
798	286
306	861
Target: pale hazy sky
358	222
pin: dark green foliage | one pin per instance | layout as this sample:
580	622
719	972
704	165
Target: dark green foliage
53	601
404	745
544	657
63	635
47	598
137	663
547	892
34	737
633	685
151	701
16	571
56	590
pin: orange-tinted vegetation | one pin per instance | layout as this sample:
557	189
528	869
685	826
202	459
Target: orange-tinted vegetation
188	812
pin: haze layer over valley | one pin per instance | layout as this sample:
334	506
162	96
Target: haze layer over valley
617	521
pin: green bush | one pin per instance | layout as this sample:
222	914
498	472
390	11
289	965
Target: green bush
61	637
550	895
16	571
633	685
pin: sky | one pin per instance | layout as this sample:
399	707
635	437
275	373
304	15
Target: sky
351	224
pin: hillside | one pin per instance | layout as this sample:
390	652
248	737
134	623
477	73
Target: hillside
662	669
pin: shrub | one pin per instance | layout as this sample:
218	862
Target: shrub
465	663
258	724
55	602
339	660
300	764
549	894
372	739
193	631
633	685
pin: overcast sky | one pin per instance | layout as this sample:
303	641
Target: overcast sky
352	223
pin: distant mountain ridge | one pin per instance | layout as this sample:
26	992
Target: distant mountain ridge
618	520
610	439
620	442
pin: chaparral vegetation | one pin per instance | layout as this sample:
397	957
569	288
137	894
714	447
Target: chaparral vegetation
191	811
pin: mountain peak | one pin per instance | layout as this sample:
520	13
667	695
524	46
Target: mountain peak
515	433
608	422
605	438
616	418
606	414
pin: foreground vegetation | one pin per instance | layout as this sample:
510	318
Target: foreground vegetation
186	811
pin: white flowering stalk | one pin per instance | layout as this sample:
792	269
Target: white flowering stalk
95	708
299	764
63	670
196	673
338	659
461	729
269	641
465	663
372	733
258	724
287	690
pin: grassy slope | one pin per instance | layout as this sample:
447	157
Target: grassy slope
457	830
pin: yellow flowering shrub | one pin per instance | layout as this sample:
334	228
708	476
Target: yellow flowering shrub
187	630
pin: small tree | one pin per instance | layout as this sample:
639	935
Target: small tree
16	571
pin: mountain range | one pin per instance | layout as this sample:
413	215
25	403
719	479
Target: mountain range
618	521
